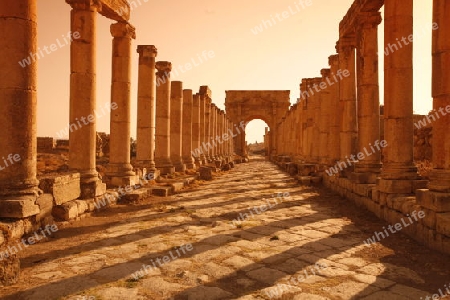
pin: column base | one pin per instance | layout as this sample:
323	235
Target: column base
117	181
147	164
178	164
437	202
440	181
399	172
92	189
189	162
364	178
399	186
19	207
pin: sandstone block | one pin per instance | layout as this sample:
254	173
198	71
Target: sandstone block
443	223
395	186
439	202
205	173
64	188
66	211
21	207
45	203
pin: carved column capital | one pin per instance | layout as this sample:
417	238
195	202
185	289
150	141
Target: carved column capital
346	44
123	30
85	4
164	68
368	19
147	51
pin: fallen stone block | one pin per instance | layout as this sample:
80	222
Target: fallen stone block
64	188
205	173
134	196
65	212
161	191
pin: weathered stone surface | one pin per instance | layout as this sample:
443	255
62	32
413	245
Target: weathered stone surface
66	211
9	270
20	207
64	188
205	173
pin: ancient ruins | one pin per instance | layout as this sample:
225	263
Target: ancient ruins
337	134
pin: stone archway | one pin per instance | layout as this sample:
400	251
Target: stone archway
245	106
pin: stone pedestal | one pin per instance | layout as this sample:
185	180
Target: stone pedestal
188	160
162	136
82	141
146	108
196	130
120	171
176	125
18	98
398	93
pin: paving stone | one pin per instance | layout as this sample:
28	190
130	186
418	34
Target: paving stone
266	275
352	289
207	293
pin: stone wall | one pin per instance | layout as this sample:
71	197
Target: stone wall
45	144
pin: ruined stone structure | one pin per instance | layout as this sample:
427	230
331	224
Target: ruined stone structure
169	121
334	133
245	106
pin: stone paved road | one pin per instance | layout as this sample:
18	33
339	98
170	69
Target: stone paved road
296	243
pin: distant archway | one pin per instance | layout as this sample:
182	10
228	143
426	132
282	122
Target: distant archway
255	136
245	106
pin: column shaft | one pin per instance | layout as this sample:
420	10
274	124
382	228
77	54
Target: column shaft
440	176
162	136
176	125
335	116
82	140
368	98
119	171
18	98
146	108
347	89
188	121
398	92
196	130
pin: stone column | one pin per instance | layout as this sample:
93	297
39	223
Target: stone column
324	119
335	116
205	95
203	130
82	141
349	126
176	125
440	176
316	103
188	160
196	130
146	108
232	144
304	121
368	169
212	134
18	98
220	132
162	136
398	95
119	170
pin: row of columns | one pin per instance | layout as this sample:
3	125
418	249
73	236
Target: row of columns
343	118
171	122
184	124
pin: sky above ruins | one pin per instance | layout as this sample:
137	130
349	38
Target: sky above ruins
231	45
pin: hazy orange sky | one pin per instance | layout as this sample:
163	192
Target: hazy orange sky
276	58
